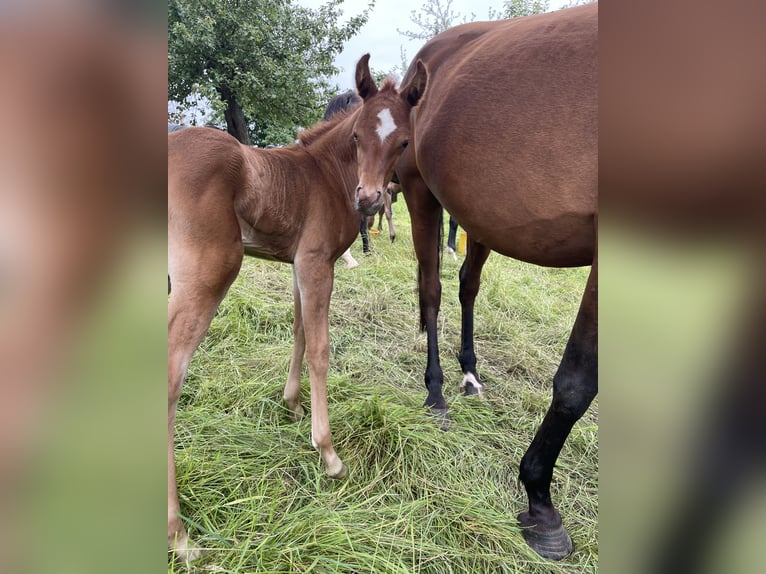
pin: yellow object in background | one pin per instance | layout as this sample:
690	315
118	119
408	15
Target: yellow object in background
461	241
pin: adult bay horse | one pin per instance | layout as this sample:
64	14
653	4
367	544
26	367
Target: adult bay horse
299	205
505	139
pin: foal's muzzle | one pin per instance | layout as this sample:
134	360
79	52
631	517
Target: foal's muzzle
368	203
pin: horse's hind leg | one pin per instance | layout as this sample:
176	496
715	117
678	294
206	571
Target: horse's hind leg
574	387
201	276
292	394
470	278
190	312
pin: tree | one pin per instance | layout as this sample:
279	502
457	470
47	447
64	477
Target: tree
519	8
264	63
432	18
572	3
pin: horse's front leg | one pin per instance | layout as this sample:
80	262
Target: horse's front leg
425	213
314	279
470	278
574	387
292	394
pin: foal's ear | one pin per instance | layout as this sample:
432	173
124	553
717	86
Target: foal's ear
415	88
365	85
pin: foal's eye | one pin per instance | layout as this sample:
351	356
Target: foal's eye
405	143
356	137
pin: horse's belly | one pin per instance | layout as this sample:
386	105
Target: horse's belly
568	241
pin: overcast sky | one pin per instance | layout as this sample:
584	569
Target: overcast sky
380	38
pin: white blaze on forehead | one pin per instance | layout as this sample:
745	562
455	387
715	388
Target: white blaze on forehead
387	124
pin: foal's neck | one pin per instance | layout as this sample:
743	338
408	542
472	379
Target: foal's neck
334	152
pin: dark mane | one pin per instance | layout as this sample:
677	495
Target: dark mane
312	134
346	101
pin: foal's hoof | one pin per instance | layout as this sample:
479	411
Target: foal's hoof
338	473
297	413
184	550
442	418
553	543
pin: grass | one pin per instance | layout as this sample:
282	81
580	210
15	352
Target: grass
417	500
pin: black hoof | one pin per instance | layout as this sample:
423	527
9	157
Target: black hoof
471	390
442	418
393	238
471	385
553	543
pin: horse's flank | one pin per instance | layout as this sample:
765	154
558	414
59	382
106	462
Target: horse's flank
526	101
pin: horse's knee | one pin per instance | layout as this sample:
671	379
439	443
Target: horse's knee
318	356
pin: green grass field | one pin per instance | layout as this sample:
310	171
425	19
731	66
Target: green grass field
417	499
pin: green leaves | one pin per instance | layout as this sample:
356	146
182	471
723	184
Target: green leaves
272	57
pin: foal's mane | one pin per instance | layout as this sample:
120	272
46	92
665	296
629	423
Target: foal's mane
309	136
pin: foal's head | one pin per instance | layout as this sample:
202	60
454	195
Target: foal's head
382	131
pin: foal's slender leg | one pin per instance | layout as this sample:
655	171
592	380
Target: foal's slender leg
314	280
574	386
196	294
365	235
292	393
451	237
470	278
425	213
389	217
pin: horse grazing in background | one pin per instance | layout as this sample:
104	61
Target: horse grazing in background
386	210
299	205
517	168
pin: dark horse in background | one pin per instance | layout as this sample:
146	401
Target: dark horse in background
505	139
